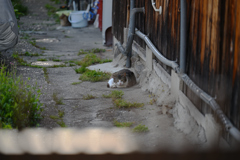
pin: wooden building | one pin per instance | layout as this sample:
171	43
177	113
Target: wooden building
213	45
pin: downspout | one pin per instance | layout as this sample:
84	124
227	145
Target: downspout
183	32
128	50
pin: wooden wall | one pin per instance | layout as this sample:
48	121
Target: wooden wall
213	44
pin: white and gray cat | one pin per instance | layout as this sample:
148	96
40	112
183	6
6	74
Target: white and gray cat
122	78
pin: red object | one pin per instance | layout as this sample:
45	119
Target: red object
100	5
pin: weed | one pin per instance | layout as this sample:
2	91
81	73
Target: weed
57	101
46	75
52	12
105	61
94	76
25	36
88	60
19	9
97	50
19	60
75	83
33	43
140	128
87	97
43	48
81	70
71	61
54	117
29	54
114	94
61	123
59	117
152	101
22	62
122	124
71	64
42	59
82	52
67	36
57	66
56	60
120	103
51	9
19	101
60	114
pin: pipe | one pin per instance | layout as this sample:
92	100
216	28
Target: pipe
183	32
213	104
131	32
164	60
234	132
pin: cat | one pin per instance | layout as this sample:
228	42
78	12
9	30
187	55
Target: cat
122	78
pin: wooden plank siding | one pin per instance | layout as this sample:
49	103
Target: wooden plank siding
213	45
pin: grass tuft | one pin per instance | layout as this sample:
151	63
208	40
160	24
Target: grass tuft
88	60
75	83
60	114
46	75
81	70
42	59
54	117
56	60
95	76
120	103
122	124
19	102
81	52
140	128
56	99
61	123
114	94
88	96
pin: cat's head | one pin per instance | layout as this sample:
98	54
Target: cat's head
120	77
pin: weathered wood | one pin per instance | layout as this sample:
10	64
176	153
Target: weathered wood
213	44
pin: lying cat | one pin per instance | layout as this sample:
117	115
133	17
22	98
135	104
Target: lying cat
122	78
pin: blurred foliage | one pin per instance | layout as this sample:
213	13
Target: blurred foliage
19	8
